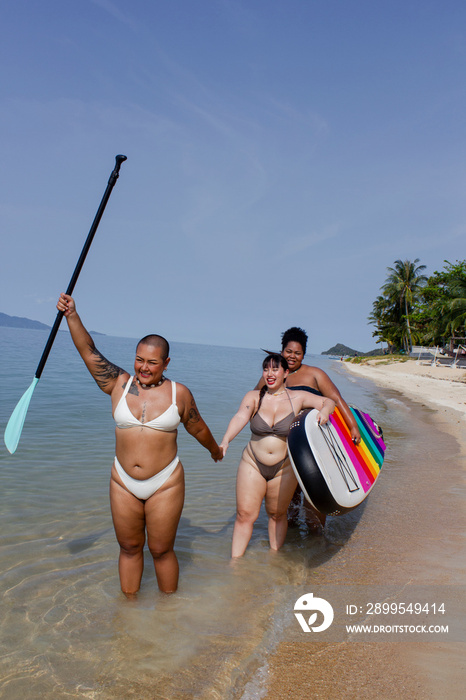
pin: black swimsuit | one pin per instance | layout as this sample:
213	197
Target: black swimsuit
305	388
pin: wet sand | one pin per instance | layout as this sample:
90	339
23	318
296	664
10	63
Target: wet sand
411	533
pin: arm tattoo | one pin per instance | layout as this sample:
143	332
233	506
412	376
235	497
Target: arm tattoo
194	416
105	371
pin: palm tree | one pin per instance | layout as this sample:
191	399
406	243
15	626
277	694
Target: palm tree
402	289
386	318
455	308
377	317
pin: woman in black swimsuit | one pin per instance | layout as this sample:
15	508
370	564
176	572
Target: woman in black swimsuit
265	470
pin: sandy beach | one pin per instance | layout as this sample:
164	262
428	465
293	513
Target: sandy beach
439	386
414	548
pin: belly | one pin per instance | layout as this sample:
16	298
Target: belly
270	449
143	452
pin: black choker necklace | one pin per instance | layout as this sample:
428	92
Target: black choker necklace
150	386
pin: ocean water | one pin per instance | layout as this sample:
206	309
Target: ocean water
66	631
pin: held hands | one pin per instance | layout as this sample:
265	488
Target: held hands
66	304
217	454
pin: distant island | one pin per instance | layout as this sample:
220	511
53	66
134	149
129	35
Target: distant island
21	322
344	351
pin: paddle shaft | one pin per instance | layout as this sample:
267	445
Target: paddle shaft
113	178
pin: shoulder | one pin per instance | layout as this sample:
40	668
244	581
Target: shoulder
251	396
305	375
249	400
253	393
324	384
118	388
317	379
185	402
314	373
120	382
318	373
182	391
310	370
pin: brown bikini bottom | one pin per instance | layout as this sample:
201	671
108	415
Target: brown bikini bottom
268	471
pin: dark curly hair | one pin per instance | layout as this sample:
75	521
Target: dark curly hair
295	335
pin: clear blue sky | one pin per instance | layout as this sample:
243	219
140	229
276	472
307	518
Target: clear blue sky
281	155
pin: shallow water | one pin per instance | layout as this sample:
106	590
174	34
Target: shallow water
66	631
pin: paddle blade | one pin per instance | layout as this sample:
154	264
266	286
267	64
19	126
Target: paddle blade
15	424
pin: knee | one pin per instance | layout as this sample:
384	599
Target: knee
131	549
160	550
246	516
276	516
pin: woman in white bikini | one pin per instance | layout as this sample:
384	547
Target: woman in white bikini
265	470
147	479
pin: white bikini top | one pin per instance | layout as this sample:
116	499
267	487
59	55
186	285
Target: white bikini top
168	421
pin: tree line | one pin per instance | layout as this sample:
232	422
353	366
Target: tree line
413	308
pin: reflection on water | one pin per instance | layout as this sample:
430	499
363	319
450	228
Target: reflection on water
66	630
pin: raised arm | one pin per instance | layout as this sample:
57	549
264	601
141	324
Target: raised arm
104	372
195	424
240	419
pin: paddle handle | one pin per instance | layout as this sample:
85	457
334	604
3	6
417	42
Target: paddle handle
111	183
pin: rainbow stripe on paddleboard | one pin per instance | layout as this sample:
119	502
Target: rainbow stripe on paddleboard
367	457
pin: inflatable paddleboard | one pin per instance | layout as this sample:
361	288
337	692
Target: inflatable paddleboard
335	474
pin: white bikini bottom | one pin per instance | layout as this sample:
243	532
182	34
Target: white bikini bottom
145	488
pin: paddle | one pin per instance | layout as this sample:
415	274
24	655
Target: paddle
15	424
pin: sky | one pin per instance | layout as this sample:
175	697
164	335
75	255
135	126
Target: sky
281	155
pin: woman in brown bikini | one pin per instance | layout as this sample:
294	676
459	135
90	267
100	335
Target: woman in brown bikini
265	470
314	380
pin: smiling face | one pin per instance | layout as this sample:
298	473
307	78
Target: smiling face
149	364
274	376
294	355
